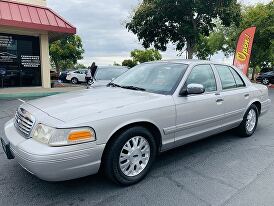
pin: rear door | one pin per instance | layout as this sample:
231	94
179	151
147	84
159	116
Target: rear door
234	93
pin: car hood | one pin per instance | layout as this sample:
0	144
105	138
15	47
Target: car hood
92	102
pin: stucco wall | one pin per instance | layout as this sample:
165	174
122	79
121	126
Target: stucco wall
36	2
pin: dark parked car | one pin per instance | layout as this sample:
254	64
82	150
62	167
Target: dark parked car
266	78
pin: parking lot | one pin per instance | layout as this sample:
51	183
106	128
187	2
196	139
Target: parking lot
221	170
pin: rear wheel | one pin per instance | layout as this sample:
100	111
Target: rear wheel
265	81
249	123
130	156
74	80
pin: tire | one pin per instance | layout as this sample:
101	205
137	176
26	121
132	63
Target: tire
247	126
74	80
122	168
265	81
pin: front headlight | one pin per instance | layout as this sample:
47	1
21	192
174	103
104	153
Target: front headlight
63	137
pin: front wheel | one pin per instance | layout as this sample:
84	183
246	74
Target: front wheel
249	123
130	156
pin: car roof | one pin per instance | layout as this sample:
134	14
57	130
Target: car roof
112	67
189	61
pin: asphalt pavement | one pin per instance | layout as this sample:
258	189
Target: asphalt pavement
220	170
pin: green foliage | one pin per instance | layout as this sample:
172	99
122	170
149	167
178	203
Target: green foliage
261	16
148	55
116	64
225	39
64	53
181	22
80	66
129	63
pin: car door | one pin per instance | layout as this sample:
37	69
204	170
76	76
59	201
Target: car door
82	75
234	93
200	115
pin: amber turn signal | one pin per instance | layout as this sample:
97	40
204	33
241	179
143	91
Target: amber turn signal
80	136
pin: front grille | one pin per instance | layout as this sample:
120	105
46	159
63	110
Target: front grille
24	121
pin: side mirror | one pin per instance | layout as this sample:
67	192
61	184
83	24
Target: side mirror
193	89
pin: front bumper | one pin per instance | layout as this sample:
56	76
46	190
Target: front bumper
53	163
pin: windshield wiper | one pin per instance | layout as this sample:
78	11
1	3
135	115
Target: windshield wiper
133	88
113	85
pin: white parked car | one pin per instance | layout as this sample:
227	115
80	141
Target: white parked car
103	75
121	128
77	76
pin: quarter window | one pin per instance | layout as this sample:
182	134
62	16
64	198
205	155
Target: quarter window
204	75
238	79
226	76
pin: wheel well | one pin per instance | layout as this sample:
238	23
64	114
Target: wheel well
258	105
151	127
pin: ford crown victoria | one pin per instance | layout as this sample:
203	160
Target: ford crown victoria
121	128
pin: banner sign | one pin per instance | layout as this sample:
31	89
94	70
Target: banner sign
244	48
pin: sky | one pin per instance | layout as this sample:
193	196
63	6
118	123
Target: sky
101	25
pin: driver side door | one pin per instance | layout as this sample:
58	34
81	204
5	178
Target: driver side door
199	115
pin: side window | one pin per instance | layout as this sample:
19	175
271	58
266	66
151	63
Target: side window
203	74
227	79
238	79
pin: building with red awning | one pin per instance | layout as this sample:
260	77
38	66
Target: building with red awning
26	28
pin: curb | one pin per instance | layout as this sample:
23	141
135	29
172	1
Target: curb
27	95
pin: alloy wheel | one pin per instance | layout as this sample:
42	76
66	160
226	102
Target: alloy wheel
265	81
251	120
134	156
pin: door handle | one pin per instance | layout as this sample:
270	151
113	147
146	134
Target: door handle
219	100
246	95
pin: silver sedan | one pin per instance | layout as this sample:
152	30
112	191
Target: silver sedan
121	128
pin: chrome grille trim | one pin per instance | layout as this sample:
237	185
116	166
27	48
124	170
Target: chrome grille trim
24	121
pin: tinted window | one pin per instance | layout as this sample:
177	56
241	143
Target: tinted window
238	79
227	79
203	74
162	78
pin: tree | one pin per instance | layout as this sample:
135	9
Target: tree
209	45
148	55
181	22
129	63
116	64
261	16
80	66
64	53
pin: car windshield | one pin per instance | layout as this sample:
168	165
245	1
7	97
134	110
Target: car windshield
109	73
161	78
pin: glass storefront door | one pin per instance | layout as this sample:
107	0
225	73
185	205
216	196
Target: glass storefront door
19	61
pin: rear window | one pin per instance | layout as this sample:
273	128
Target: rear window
226	76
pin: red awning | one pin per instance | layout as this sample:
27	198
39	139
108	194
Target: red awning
28	16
